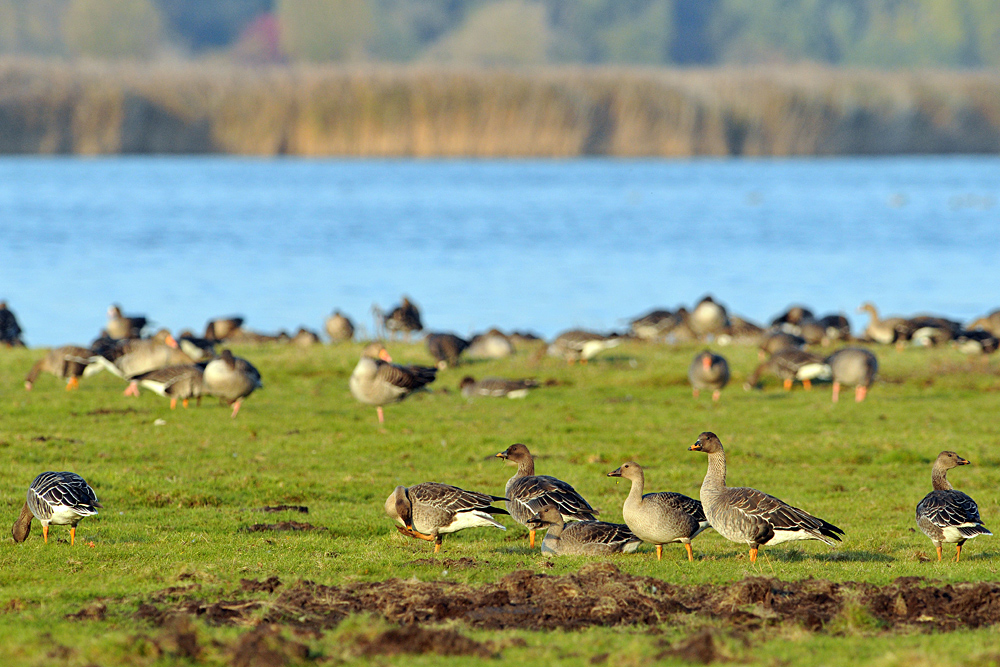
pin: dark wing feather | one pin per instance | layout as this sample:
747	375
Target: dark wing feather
537	491
779	515
452	498
684	503
949	508
51	489
601	532
410	378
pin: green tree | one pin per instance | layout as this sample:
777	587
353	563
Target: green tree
113	29
612	31
325	30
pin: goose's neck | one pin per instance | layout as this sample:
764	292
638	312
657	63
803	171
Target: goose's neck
35	370
715	478
525	467
22	527
939	478
635	493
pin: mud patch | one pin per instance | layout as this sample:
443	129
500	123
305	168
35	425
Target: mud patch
699	648
265	647
254	586
281	525
302	509
447	563
413	639
95	611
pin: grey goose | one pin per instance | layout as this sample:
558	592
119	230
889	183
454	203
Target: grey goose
581	538
446	348
339	328
709	318
131	357
708	372
496	387
946	515
122	327
852	366
10	330
791	364
66	363
231	379
377	381
660	518
749	516
429	510
579	345
56	498
176	382
527	493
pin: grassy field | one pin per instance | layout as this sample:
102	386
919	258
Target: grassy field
181	487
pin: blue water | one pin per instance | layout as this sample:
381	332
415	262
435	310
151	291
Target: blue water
539	245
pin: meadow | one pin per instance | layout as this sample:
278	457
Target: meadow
183	490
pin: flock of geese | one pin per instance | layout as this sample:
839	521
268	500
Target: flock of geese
189	367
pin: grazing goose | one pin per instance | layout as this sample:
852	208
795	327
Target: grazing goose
339	328
231	379
222	328
404	319
59	498
852	366
176	382
121	327
792	364
581	538
778	341
708	371
491	345
446	348
66	363
655	325
947	515
791	320
10	330
429	510
578	345
377	381
131	357
747	515
977	341
709	318
199	349
527	493
660	518
496	387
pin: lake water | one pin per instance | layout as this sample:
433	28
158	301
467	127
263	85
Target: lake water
539	245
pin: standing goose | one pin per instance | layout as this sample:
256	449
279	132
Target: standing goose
404	318
339	328
131	357
223	327
708	371
852	366
231	379
947	515
887	331
527	493
377	381
792	364
446	348
581	538
176	382
660	518
66	363
742	514
496	387
709	318
59	498
122	327
429	510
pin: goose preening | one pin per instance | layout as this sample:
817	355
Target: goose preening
10	330
404	319
946	515
429	510
223	327
123	327
792	364
660	518
339	328
527	493
176	383
231	379
446	348
377	381
852	366
709	372
57	498
131	357
581	538
746	515
578	345
66	363
496	387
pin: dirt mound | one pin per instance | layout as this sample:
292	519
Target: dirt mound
417	640
281	525
600	594
302	509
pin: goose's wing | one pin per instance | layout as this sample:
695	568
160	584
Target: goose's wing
452	498
615	535
684	503
409	378
61	489
950	509
536	491
761	508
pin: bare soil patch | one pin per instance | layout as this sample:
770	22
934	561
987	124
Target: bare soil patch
281	525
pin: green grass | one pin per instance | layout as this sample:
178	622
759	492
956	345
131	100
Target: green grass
176	495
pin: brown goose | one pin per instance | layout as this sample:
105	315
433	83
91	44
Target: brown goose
660	518
377	381
66	363
404	318
10	330
579	345
852	366
947	515
709	372
176	382
339	328
581	538
887	331
491	345
121	327
747	515
446	348
778	341
222	328
709	318
429	510
231	379
496	387
58	498
527	493
789	365
131	357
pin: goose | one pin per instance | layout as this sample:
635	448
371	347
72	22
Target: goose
304	338
445	348
131	357
655	325
581	538
199	349
404	318
977	341
59	498
750	516
852	366
579	345
660	518
339	328
709	318
10	330
66	363
231	379
527	493
989	322
496	387
887	331
377	381
491	345
792	364
176	382
708	371
222	327
429	510
778	341
836	327
947	515
121	327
